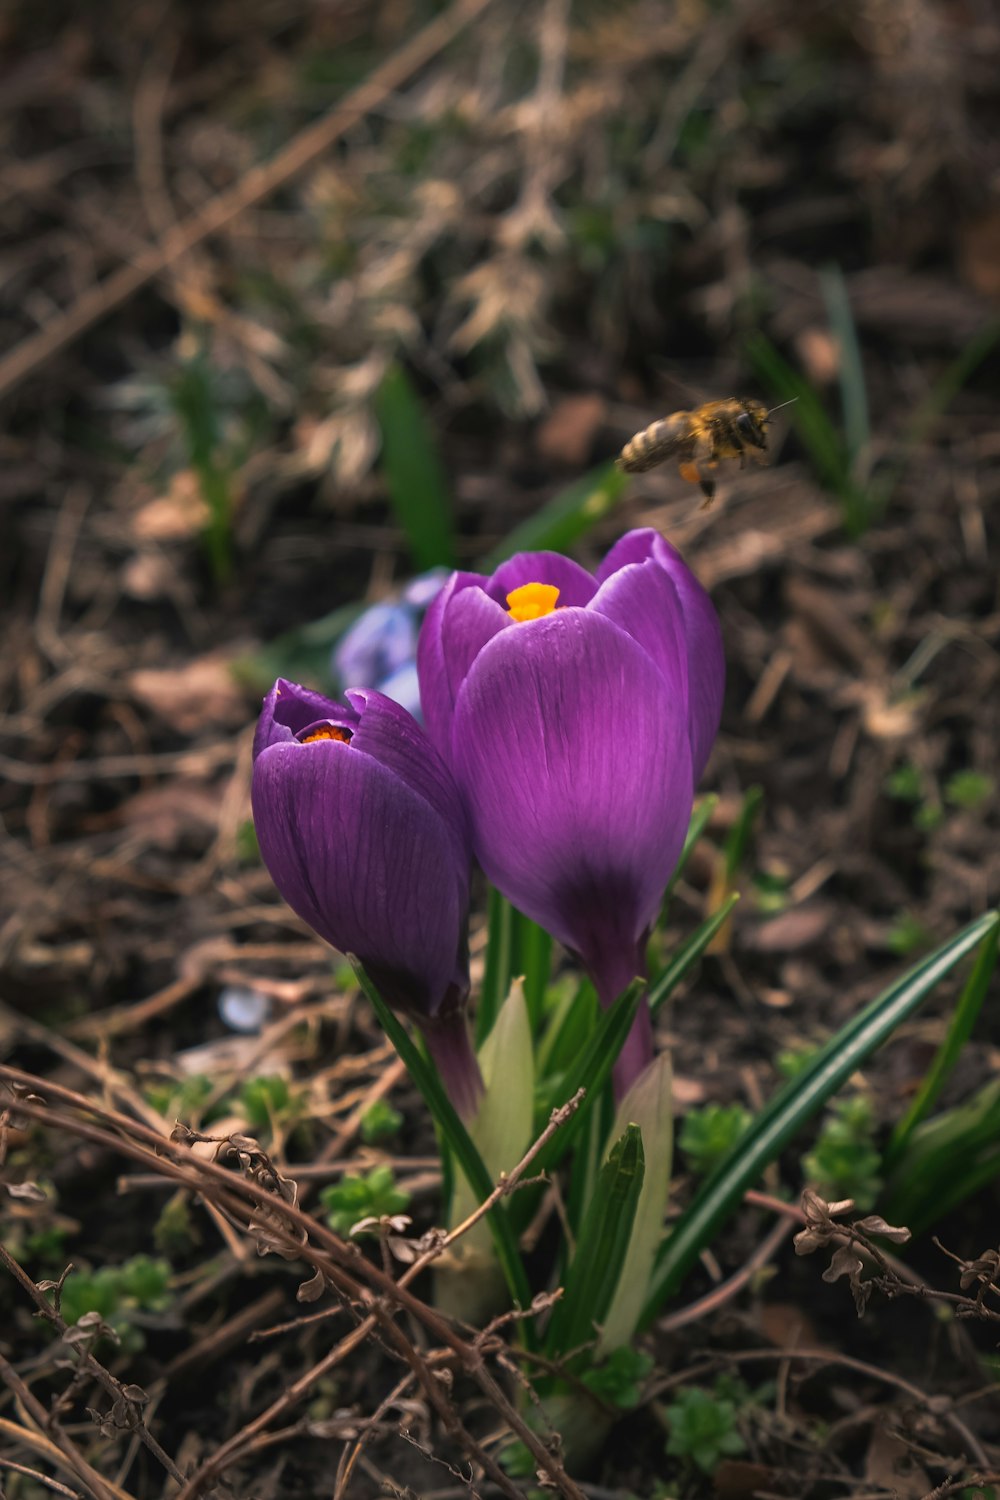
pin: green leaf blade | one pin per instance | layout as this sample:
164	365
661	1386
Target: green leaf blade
602	1247
797	1102
414	474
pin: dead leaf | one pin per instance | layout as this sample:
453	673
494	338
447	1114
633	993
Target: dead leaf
891	1466
567	434
202	693
176	516
793	930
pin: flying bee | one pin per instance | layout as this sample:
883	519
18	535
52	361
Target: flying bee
700	440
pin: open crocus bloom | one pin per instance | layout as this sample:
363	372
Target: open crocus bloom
362	830
576	712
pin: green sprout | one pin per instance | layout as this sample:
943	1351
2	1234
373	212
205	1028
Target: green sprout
708	1134
380	1121
844	1163
354	1198
703	1428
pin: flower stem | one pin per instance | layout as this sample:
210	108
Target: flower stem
450	1046
636	1054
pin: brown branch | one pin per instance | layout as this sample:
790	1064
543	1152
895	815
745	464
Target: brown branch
95	1483
87	1360
341	1265
259	183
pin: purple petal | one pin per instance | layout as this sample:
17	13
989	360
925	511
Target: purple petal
288	710
576	770
391	736
574	583
368	864
459	622
706	660
643	600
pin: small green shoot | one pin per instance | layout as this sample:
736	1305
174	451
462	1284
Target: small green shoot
709	1134
619	1380
907	935
844	1162
970	790
380	1122
268	1100
354	1198
115	1294
703	1429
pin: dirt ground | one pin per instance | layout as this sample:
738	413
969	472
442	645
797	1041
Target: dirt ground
562	220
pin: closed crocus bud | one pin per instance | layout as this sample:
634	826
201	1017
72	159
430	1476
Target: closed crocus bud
576	712
362	830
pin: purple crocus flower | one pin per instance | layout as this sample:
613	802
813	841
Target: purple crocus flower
362	829
577	712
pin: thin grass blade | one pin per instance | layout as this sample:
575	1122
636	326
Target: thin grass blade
970	1003
797	1102
688	954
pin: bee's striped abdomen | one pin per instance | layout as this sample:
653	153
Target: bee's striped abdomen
654	444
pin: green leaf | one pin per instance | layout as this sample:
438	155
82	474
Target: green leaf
459	1142
414	475
688	954
798	1101
559	523
647	1104
963	1019
500	960
517	948
700	819
601	1248
819	436
853	391
591	1071
533	947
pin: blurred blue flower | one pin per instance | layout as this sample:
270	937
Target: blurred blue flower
380	649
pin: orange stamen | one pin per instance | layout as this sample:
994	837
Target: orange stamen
531	601
328	732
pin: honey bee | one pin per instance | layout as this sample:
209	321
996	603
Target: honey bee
700	440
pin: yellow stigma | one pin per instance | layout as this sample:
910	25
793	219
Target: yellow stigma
531	601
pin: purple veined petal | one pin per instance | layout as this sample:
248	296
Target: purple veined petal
288	710
368	864
642	599
576	769
575	584
706	659
391	736
459	622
